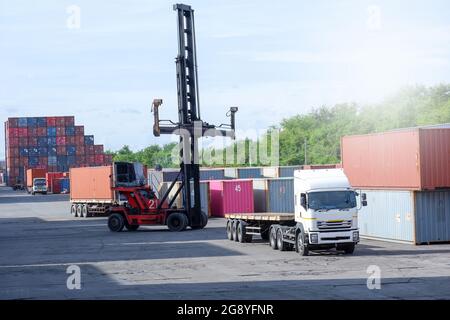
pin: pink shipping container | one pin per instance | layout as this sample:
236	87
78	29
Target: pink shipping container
231	196
411	159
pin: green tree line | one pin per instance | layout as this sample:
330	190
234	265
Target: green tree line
319	132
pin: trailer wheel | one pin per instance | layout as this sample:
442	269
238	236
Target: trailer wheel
177	222
79	210
132	227
73	210
116	222
301	246
273	238
282	246
234	229
84	210
229	233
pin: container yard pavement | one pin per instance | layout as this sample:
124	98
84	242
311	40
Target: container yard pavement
39	240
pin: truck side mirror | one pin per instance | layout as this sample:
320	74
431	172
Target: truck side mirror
364	203
364	197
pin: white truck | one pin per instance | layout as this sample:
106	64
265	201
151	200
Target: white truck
325	217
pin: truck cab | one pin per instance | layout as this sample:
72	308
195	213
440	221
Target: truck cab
326	210
39	186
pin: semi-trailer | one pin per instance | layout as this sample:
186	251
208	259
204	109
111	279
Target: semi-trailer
325	216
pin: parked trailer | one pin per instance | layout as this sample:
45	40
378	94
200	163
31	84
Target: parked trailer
325	216
92	188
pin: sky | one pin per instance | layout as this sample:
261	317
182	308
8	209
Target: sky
272	59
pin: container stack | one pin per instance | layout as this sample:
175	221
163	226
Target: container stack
54	144
406	176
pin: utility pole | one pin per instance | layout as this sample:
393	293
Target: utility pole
306	161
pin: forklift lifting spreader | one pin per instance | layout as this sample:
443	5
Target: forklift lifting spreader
189	127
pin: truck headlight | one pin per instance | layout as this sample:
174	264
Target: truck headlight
355	236
314	238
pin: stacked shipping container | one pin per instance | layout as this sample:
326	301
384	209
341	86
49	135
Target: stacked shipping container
406	176
54	144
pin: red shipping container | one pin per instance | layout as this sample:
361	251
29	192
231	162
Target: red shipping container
411	159
60	131
41	131
13	122
108	159
13	132
23	142
52	168
14	163
90	159
22	132
79	140
42	167
56	186
60	141
61	150
12	152
80	160
32	131
79	131
69	121
43	161
98	149
50	177
23	161
231	196
13	142
51	121
80	151
99	159
60	121
32	141
89	149
70	140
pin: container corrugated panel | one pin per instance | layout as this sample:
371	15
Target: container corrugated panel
249	173
432	216
288	172
280	195
260	195
212	174
231	196
231	173
389	215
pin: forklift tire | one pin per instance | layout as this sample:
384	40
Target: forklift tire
273	238
73	210
282	246
300	246
84	210
116	222
229	233
132	227
177	222
204	218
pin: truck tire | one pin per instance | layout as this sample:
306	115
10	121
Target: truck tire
84	210
79	210
347	248
234	227
282	246
204	219
116	222
177	222
242	233
229	233
273	238
300	246
73	210
132	227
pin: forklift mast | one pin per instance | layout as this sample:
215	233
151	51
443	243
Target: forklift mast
188	117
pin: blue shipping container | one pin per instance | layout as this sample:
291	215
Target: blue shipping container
249	173
89	140
61	160
280	195
51	141
71	150
70	131
63	168
70	160
33	151
33	161
65	185
41	122
51	132
216	174
43	151
52	151
288	172
43	141
22	122
52	161
32	122
23	152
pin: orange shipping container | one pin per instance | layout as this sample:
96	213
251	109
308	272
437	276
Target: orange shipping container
91	184
412	159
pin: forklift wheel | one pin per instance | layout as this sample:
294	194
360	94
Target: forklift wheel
116	222
204	221
177	222
133	227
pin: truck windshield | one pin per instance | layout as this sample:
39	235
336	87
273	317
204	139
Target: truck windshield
40	182
332	200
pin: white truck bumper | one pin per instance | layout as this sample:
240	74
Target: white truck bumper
333	237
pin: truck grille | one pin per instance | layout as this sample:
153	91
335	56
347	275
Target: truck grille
328	225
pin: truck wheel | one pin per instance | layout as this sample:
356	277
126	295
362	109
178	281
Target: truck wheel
132	227
116	222
84	210
265	235
273	238
177	222
301	246
282	246
347	248
242	233
229	233
73	210
234	227
204	219
79	210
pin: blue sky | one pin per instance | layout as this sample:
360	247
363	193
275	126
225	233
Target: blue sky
272	59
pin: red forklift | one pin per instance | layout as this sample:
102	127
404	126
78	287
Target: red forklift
142	207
